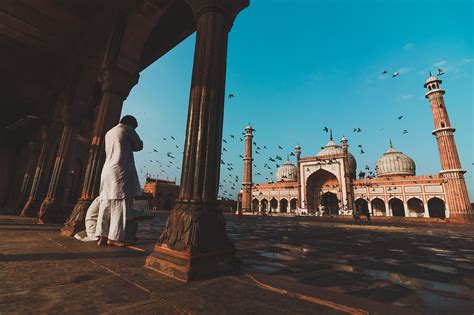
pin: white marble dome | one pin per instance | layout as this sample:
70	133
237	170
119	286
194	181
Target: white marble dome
394	163
287	172
333	149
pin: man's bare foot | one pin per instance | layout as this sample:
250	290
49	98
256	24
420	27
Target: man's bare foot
102	241
116	243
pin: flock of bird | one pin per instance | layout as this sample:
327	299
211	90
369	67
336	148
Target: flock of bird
230	181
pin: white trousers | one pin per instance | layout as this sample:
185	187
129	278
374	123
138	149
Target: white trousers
112	218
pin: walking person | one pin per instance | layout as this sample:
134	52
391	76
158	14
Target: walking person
118	182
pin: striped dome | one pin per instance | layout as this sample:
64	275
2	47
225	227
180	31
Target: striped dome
287	172
394	162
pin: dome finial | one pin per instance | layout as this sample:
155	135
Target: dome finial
430	74
287	157
391	144
330	134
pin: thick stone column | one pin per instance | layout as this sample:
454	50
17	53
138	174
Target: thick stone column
43	166
120	67
194	243
32	156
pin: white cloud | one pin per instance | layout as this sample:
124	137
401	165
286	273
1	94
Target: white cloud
440	63
409	46
406	97
403	70
466	60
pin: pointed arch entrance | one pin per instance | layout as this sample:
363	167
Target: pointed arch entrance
283	205
396	205
322	189
378	207
436	208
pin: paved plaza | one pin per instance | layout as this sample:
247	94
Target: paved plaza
302	265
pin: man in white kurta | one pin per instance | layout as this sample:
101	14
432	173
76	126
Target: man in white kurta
118	182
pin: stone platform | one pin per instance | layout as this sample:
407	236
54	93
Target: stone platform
290	265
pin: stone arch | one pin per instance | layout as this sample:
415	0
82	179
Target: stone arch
264	205
317	184
330	203
378	207
273	205
415	207
397	208
293	204
436	208
255	204
283	205
362	206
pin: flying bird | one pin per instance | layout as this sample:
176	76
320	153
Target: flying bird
231	96
155	150
440	72
384	72
280	148
362	152
232	136
225	141
325	129
395	74
173	138
405	131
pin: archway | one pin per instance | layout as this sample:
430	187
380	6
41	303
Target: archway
330	203
273	205
378	207
415	207
264	205
362	206
255	205
283	205
318	184
293	204
396	205
436	208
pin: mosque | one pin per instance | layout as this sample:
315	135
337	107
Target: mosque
326	183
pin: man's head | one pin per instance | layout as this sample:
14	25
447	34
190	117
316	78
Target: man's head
129	121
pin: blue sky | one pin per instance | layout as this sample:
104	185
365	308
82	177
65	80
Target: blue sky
296	67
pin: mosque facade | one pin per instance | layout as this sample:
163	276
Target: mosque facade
326	183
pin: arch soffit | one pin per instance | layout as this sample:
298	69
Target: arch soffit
321	170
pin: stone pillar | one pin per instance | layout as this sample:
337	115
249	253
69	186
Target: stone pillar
75	103
115	88
247	178
32	155
427	212
194	243
369	205
406	210
389	210
43	166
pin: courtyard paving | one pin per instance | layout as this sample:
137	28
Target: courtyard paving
300	265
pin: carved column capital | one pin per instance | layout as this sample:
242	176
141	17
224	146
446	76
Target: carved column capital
117	81
229	8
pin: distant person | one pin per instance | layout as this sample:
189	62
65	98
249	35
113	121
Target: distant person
357	216
118	182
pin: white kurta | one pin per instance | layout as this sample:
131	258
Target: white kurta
119	178
118	182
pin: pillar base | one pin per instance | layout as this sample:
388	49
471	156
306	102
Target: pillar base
188	267
194	244
50	212
76	221
31	208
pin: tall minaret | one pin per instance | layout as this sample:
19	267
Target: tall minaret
298	176
349	198
451	170
247	180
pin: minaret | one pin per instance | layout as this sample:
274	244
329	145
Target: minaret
298	176
451	169
347	177
247	180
